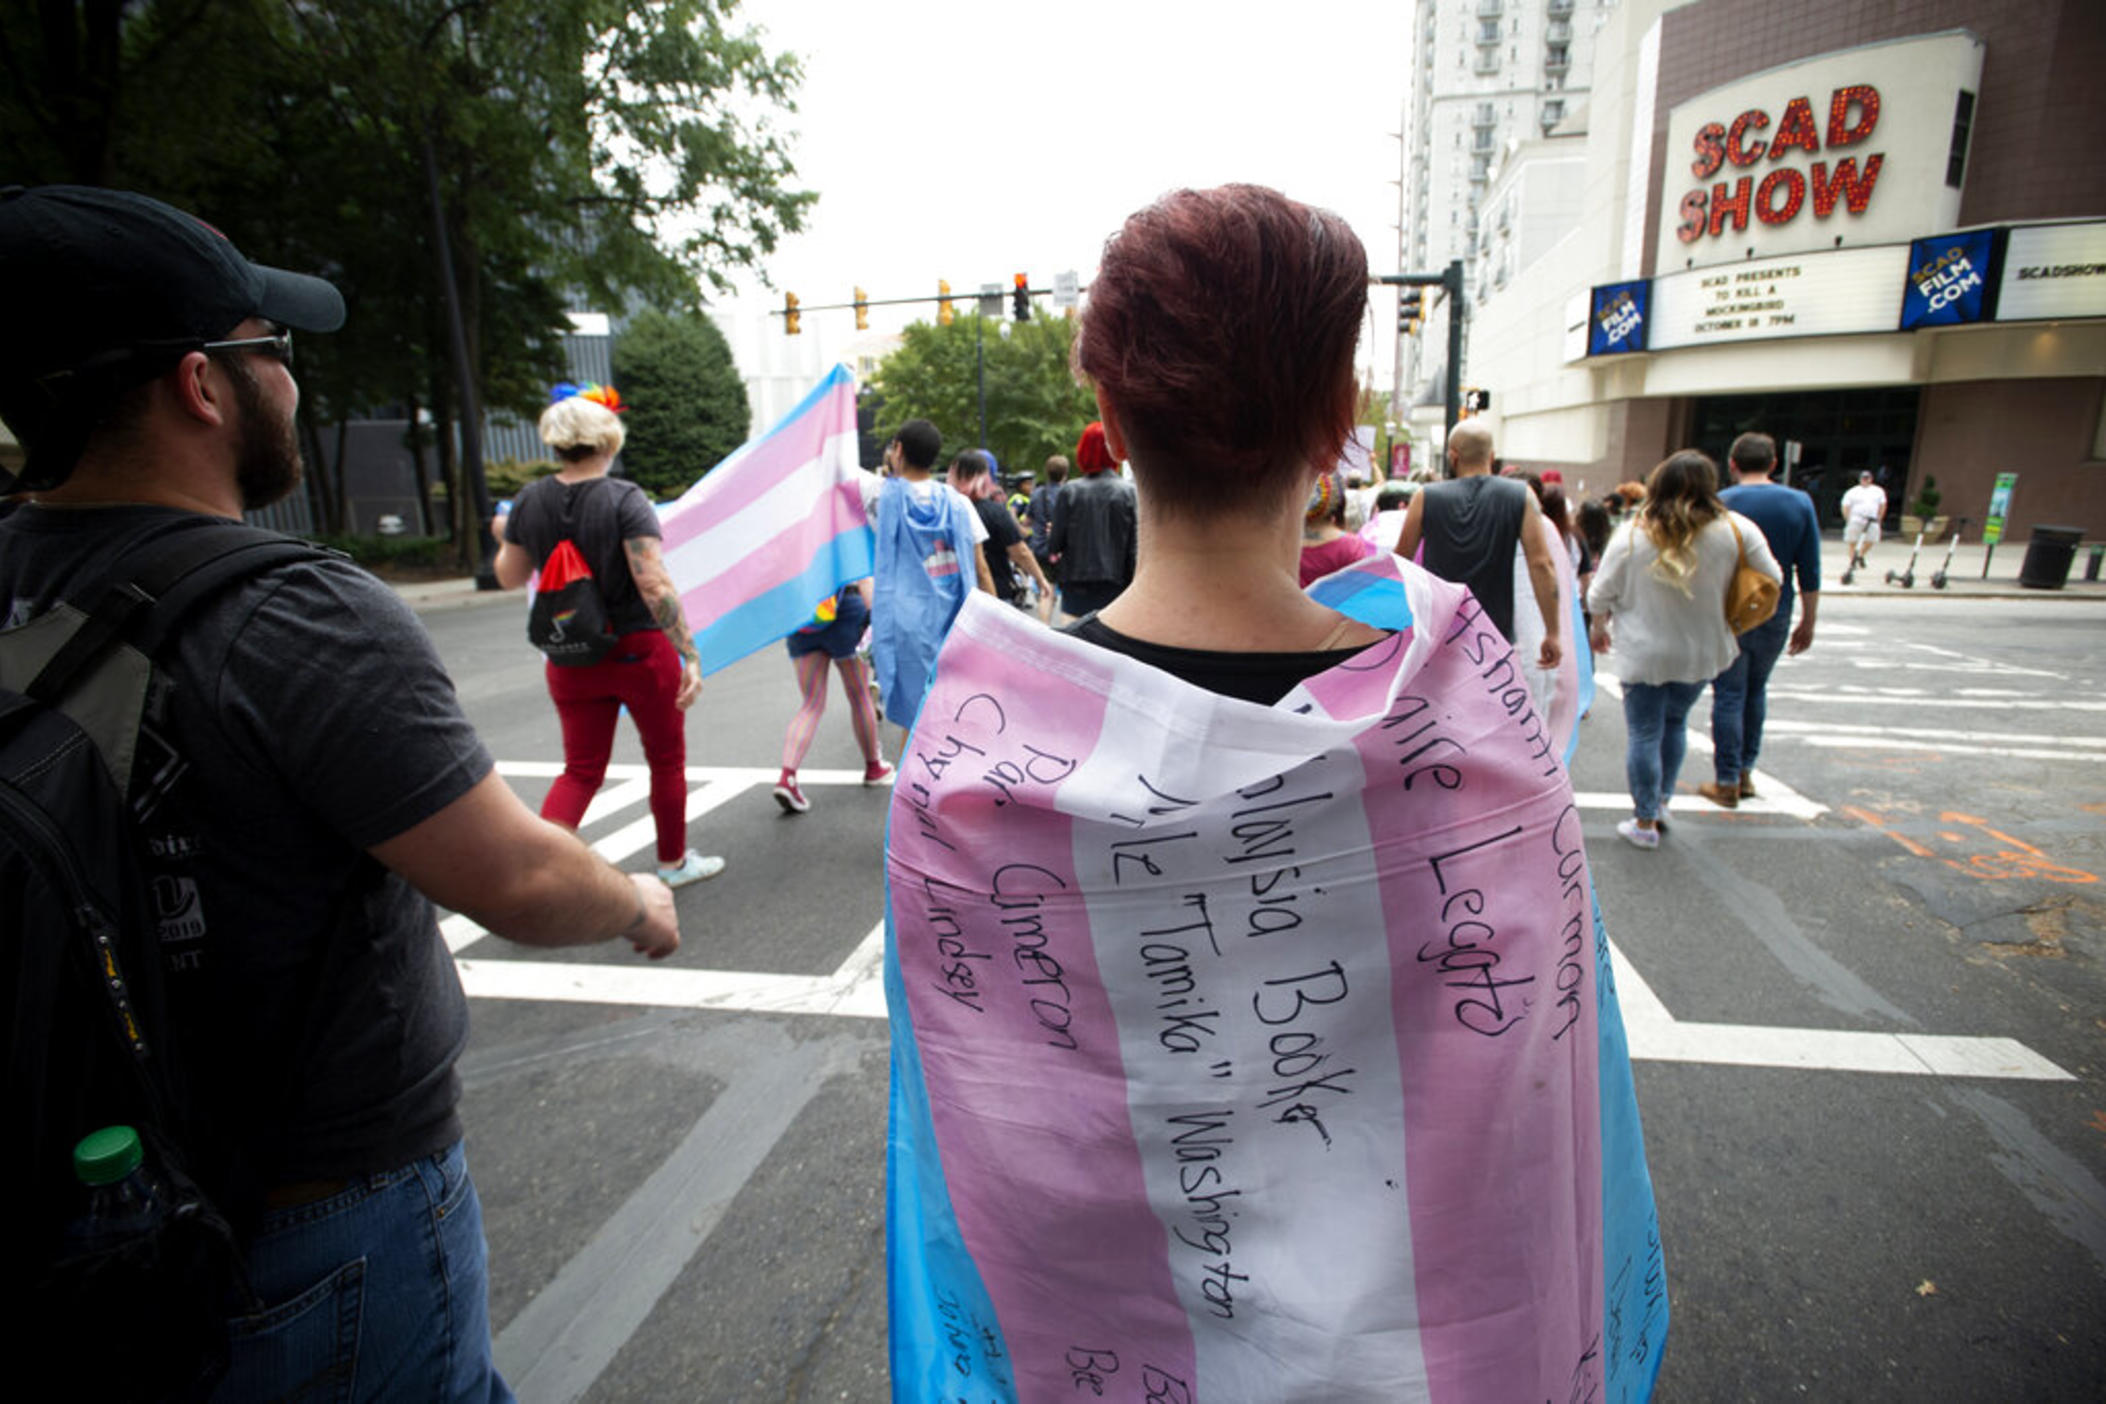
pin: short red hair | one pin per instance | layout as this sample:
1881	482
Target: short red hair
1221	325
1092	454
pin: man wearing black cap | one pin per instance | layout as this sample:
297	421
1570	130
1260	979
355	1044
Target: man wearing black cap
330	792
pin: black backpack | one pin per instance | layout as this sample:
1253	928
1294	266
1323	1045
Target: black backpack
568	619
88	1039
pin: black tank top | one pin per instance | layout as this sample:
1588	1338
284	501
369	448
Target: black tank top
1470	527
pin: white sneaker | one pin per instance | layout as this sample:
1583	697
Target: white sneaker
1638	837
695	867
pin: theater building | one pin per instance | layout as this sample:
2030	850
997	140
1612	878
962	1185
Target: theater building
1876	232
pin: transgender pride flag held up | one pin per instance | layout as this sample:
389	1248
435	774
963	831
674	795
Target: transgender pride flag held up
772	530
1256	1054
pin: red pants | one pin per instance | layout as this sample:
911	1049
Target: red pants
642	674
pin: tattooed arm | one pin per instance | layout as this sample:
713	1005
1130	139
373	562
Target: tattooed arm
655	583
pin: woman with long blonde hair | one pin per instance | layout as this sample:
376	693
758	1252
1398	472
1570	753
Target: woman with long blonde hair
1659	599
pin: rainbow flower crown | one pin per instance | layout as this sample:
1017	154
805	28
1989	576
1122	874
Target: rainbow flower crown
599	394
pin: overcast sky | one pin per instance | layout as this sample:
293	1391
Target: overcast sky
976	141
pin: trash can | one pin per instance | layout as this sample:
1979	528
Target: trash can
2048	557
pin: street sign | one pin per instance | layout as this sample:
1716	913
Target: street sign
1067	289
1999	508
991	300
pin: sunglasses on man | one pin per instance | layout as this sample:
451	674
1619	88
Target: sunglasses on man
278	345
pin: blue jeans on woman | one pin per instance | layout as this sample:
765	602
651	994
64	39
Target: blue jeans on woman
379	1291
1740	698
1656	716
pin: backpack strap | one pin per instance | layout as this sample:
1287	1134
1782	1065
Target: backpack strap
168	575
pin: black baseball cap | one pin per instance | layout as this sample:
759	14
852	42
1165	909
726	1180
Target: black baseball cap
106	288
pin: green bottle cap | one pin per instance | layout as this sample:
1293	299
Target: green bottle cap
104	1157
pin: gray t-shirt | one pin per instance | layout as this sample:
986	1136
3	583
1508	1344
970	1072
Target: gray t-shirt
313	719
602	513
1470	527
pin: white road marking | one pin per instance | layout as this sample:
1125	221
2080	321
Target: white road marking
1859	697
856	989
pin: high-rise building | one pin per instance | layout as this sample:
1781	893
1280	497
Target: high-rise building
1487	75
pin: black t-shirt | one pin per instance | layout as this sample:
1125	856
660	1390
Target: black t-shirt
1470	527
1263	678
1002	533
603	513
316	721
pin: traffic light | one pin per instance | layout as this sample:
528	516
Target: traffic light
789	314
943	302
1410	311
1020	300
862	310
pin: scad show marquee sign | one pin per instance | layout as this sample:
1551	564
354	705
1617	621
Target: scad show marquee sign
2053	270
1860	146
1823	294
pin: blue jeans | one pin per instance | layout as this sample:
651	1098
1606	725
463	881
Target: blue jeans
377	1292
1656	716
1740	699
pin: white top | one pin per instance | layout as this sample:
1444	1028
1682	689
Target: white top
871	484
1658	634
1866	501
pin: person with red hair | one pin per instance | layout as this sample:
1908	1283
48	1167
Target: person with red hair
1207	914
1094	528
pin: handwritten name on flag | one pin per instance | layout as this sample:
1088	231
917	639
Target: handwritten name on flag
1256	1054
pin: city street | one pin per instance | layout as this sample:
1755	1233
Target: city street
1868	1009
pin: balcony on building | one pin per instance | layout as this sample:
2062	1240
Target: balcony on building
1558	32
1487	61
1557	60
1490	9
1486	116
1558	9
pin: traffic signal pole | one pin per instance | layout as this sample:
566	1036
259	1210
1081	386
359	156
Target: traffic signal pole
1449	281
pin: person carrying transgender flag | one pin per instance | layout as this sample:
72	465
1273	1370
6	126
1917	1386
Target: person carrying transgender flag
1253	1032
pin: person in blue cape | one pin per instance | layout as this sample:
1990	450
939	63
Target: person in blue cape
928	558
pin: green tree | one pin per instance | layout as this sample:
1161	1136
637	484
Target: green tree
1035	408
687	404
570	150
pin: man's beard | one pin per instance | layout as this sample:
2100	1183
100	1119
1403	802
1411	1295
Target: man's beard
267	466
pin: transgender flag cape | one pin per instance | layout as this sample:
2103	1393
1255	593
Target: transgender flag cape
772	530
1246	1053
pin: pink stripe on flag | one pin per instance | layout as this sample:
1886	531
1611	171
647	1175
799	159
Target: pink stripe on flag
1505	1212
723	494
777	560
1019	1045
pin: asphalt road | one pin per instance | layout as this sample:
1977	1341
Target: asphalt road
1868	1009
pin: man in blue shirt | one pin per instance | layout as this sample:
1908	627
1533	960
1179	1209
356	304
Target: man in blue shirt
1738	695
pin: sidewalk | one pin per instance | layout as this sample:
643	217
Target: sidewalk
1965	580
429	596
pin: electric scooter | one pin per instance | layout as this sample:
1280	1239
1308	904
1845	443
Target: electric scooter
1906	578
1944	570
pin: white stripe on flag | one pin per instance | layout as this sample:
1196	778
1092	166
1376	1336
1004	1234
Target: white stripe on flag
719	548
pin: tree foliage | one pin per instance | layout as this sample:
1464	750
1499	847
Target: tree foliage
1035	408
574	152
687	405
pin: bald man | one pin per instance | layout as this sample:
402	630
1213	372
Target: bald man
1471	524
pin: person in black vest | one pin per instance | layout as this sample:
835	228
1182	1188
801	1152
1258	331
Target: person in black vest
1470	526
654	669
